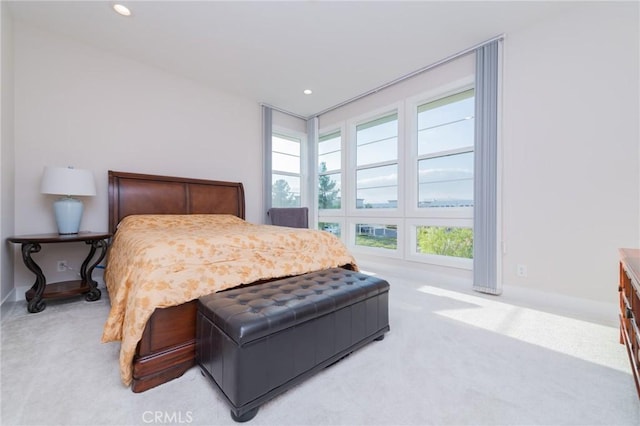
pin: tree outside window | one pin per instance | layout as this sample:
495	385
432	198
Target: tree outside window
445	241
281	194
328	195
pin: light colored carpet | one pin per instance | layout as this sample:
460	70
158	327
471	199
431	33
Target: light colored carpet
451	358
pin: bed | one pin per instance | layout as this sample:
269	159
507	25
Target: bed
166	346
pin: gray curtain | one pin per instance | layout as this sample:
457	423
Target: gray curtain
267	130
485	251
312	170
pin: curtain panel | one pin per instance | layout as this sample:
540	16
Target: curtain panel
267	131
485	249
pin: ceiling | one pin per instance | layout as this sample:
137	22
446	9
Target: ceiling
271	51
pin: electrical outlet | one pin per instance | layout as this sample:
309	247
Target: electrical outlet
62	265
521	270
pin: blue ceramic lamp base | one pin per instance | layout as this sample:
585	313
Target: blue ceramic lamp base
68	213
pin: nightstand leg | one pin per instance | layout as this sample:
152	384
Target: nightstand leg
86	270
35	303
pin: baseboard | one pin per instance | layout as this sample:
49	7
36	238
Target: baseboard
20	292
11	296
603	313
7	304
425	274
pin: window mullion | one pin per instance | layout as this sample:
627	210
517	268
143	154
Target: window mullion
376	165
463	150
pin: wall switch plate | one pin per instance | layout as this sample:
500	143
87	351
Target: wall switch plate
62	265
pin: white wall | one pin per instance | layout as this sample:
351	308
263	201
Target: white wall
571	150
6	153
76	105
430	80
289	122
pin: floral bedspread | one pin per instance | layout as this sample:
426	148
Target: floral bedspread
156	261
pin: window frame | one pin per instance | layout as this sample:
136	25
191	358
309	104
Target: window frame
412	157
304	152
343	171
340	220
435	259
352	168
415	216
350	235
406	215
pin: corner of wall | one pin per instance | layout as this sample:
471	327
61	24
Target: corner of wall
7	154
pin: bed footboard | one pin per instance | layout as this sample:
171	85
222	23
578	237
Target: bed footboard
167	348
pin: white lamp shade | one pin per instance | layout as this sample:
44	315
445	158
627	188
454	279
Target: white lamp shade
67	181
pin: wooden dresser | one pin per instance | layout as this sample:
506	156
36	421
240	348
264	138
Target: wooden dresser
629	290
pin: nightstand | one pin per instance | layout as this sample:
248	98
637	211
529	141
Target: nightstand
98	241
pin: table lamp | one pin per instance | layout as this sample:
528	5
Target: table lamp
68	181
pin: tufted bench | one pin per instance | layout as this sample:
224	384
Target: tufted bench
257	342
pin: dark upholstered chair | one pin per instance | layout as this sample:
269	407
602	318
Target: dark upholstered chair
293	217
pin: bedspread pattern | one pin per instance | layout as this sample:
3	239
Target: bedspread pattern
157	261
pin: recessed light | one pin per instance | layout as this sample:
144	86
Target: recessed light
122	10
307	91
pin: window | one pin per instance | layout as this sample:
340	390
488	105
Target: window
377	163
411	185
334	228
425	143
445	151
445	241
444	172
285	166
441	241
377	236
330	171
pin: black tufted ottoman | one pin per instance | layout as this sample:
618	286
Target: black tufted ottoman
256	342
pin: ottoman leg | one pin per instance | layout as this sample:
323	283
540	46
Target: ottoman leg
246	416
379	338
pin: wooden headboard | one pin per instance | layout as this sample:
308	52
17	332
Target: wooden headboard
133	193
